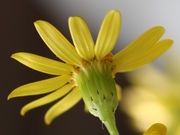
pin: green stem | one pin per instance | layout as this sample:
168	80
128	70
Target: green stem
111	127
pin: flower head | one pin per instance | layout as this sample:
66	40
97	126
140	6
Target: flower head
88	69
154	97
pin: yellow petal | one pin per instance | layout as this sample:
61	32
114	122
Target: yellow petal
86	108
108	34
142	51
142	43
62	106
156	129
118	90
142	59
82	38
42	64
138	48
47	99
57	43
40	87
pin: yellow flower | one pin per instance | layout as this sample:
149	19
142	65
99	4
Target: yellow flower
154	97
88	69
156	129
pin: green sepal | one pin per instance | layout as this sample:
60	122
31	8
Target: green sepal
98	91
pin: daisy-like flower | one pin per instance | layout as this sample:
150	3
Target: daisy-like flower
154	97
88	69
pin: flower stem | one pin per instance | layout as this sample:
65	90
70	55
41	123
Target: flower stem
111	126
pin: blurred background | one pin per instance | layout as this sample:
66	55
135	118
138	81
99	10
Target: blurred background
18	34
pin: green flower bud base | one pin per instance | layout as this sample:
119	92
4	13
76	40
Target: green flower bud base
98	90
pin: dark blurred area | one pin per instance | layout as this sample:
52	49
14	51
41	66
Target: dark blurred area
18	34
